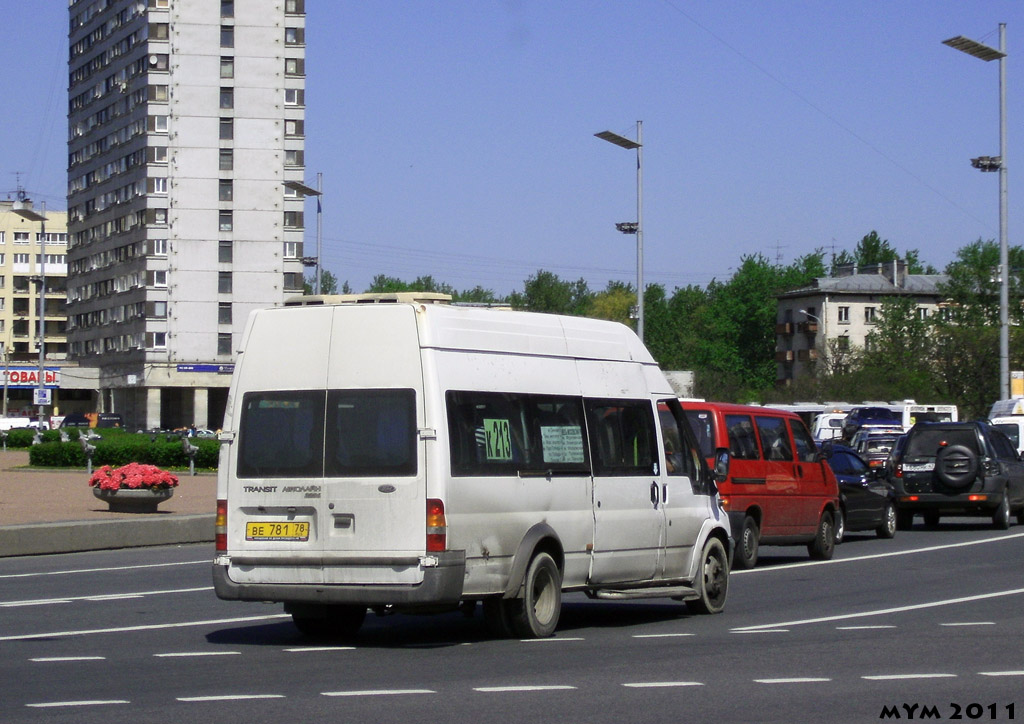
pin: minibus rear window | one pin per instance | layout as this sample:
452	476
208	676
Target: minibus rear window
281	434
370	433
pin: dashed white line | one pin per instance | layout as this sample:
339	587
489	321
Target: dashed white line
1001	673
970	623
378	692
231	697
904	677
52	659
661	636
503	689
552	639
766	629
304	649
862	628
794	680
661	684
186	654
91	702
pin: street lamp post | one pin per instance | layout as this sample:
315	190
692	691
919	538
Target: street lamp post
638	227
305	190
987	163
23	208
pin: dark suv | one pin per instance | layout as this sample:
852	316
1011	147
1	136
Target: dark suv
958	468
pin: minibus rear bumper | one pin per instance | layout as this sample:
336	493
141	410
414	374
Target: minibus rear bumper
441	584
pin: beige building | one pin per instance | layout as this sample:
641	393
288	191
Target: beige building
818	323
186	118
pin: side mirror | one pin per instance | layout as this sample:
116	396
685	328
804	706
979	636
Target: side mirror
721	471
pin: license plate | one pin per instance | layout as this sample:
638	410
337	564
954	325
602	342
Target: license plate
919	468
277	530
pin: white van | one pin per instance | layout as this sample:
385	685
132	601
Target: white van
398	453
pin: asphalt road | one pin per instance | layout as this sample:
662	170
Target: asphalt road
931	619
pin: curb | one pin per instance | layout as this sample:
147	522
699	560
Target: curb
32	539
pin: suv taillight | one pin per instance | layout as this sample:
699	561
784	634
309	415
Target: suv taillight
898	471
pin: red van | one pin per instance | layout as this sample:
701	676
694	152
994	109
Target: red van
780	490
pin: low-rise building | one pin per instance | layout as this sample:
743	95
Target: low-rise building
838	313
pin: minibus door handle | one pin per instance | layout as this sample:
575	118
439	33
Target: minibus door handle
654	494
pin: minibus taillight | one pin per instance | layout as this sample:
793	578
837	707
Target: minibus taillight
221	526
437	526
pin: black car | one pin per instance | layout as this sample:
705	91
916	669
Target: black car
958	468
875	416
865	496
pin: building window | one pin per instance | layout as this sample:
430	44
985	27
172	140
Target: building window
157	279
227	129
227	159
293	219
227	36
294	96
224	252
158	31
225	221
156	154
159	61
156	340
294	158
227	67
224	313
869	315
293	281
223	344
156	310
294	66
844	315
21	237
294	36
291	250
224	282
922	313
227	97
157	124
157	247
225	190
293	128
157	93
294	7
156	217
156	185
227	8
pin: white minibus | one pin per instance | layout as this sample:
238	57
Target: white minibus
395	452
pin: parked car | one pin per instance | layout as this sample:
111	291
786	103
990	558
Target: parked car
866	498
860	416
779	490
958	468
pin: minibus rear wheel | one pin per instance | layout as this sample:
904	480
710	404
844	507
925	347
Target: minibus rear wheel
535	615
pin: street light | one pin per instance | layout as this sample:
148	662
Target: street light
23	208
988	163
630	227
305	190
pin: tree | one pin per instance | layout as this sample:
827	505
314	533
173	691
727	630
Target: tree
872	250
545	292
328	284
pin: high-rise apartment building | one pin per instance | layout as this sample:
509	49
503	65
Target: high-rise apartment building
185	120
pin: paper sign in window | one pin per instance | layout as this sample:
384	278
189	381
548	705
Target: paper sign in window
562	444
498	436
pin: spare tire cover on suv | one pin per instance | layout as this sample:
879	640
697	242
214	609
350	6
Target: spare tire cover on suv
956	466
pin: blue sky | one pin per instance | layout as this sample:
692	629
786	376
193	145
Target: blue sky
456	138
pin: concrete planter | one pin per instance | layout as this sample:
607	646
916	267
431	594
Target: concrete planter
137	500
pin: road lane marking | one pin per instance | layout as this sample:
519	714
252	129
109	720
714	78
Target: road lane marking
52	659
91	702
857	559
148	627
304	649
230	697
793	680
552	638
503	689
103	597
102	570
767	629
661	636
378	692
186	654
863	628
905	677
661	684
880	612
970	623
1001	673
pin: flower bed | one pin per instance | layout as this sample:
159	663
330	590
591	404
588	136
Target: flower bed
133	476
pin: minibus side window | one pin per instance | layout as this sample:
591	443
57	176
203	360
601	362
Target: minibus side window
281	434
370	433
774	438
622	438
702	422
742	440
504	433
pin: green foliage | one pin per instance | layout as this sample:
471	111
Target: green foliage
872	250
545	292
121	449
328	284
